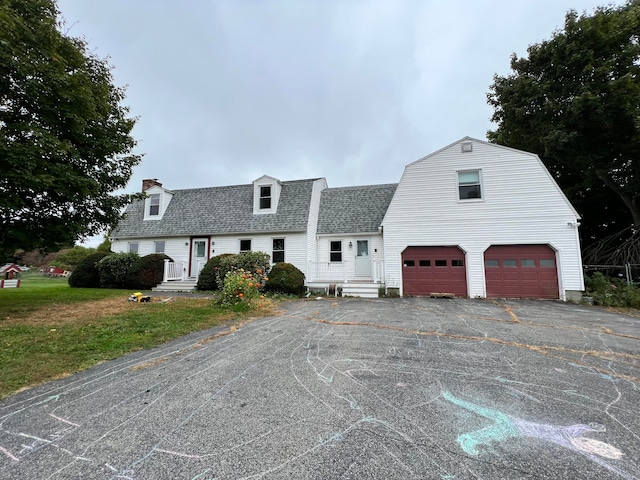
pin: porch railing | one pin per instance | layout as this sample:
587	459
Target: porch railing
174	271
327	272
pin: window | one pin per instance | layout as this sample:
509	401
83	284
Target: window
409	263
265	198
245	245
457	263
278	250
528	263
158	247
491	263
469	185
133	247
335	252
441	263
547	263
425	263
509	263
154	204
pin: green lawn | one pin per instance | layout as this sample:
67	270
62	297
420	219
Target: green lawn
48	330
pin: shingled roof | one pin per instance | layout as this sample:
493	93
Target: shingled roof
220	210
354	209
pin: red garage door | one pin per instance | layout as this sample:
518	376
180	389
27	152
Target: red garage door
427	270
521	271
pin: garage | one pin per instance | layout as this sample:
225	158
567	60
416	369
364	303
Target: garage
521	271
427	270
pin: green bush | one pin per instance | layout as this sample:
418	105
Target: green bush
208	278
146	272
114	269
86	274
70	258
612	292
258	262
241	286
285	278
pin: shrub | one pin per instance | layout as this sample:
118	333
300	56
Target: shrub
285	278
612	292
115	268
208	278
70	258
146	272
250	261
86	274
241	286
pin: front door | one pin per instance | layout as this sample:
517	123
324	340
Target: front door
198	256
363	262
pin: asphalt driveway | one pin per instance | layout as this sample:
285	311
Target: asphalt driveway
351	389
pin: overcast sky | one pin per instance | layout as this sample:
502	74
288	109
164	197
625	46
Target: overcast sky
229	90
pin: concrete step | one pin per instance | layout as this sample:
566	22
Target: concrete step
364	290
176	286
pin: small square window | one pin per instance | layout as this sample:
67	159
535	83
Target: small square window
245	245
158	247
469	185
278	250
425	263
154	204
133	247
441	263
265	198
335	253
409	263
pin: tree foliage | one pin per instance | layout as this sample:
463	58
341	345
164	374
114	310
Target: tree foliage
575	101
65	143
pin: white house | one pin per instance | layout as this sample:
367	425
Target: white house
473	219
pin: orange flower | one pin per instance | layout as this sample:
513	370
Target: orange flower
261	296
250	284
265	279
241	295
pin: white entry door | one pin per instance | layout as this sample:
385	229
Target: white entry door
198	256
363	262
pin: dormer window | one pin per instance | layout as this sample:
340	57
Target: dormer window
154	204
265	198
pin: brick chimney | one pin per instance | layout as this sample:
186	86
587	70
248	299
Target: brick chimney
150	182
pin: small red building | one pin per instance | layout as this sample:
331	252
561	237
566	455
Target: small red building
8	274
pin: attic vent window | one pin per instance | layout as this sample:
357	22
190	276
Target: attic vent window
265	198
154	204
467	147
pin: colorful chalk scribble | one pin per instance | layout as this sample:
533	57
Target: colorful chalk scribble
505	426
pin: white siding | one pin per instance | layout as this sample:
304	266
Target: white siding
521	204
174	247
312	225
349	254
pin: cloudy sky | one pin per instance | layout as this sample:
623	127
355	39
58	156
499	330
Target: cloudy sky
351	90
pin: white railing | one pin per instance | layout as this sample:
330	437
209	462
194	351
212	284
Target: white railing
199	266
173	270
327	272
378	271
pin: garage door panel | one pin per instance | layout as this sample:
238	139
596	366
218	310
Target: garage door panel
521	271
436	269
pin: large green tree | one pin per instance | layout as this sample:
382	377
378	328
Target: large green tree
65	137
575	100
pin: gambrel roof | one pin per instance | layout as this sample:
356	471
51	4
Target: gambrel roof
220	210
354	209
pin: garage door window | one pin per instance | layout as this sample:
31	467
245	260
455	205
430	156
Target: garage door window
457	263
409	263
425	263
528	263
441	263
509	263
547	263
491	263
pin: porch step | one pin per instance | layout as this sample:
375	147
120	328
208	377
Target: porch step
364	290
176	286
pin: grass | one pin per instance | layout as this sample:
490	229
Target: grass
49	330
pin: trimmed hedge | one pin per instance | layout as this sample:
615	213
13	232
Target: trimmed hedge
285	278
115	268
208	278
86	273
146	272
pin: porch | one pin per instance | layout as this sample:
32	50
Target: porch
176	277
338	278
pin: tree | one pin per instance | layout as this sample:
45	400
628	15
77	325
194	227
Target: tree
575	101
65	143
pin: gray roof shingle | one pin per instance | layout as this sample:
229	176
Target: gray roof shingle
354	209
220	210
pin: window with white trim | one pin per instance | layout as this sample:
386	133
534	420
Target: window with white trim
245	245
277	255
158	247
154	204
469	185
335	251
133	247
265	198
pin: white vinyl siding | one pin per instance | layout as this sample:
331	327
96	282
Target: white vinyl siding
521	205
